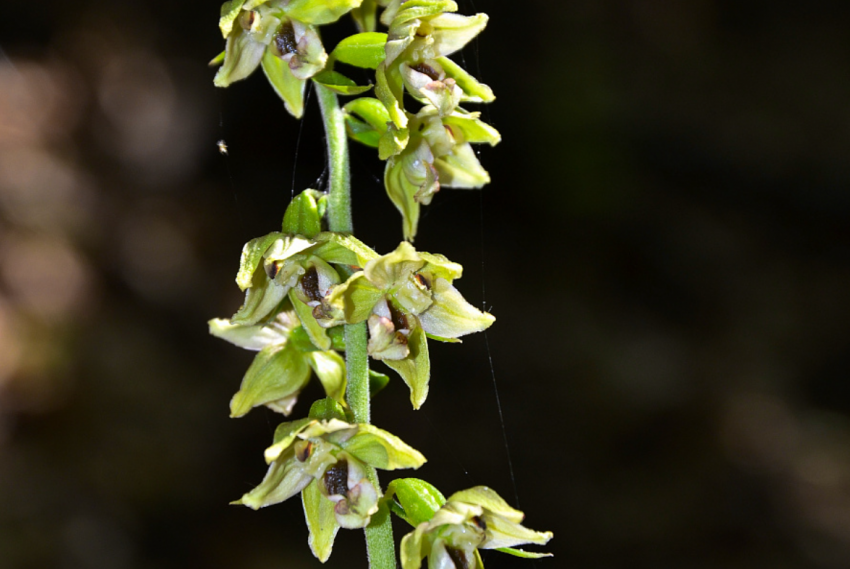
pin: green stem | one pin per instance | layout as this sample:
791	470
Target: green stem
339	198
380	546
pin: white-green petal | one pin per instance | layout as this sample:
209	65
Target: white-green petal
402	193
469	128
438	266
286	246
355	297
415	369
362	252
411	548
321	521
393	268
488	499
283	480
317	334
461	169
229	12
320	12
287	86
242	56
381	449
330	369
260	300
473	90
504	533
385	343
451	316
254	337
453	31
284	435
276	372
252	255
389	88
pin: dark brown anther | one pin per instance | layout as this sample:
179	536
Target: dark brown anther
284	40
304	452
398	317
272	269
423	281
427	70
479	521
310	284
336	479
458	558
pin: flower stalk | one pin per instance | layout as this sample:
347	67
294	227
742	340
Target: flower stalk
379	534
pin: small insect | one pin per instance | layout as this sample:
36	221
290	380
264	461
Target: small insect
222	147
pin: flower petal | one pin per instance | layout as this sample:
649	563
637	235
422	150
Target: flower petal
355	298
330	369
320	12
453	31
254	337
415	369
461	169
451	316
287	86
283	480
276	372
381	449
321	522
488	499
504	533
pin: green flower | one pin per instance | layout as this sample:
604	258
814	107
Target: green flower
285	276
437	154
283	366
421	34
324	457
450	533
406	296
280	35
280	265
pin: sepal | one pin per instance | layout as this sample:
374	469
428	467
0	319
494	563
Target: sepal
321	521
450	315
383	450
287	86
277	373
320	12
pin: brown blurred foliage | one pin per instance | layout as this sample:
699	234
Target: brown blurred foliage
666	246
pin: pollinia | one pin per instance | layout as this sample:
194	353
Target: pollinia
319	302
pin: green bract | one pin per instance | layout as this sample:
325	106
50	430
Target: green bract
325	458
281	36
469	520
405	296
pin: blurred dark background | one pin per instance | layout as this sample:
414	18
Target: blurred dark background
665	244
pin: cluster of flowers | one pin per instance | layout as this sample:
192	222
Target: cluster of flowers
303	284
425	150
